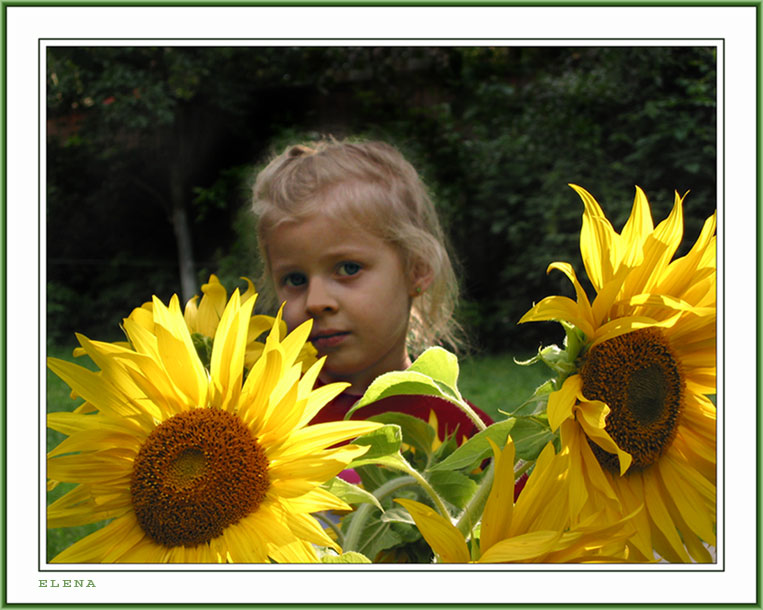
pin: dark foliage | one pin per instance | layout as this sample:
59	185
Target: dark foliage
497	132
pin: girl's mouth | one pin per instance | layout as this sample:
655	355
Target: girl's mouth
328	339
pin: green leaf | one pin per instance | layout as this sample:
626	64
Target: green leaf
537	402
477	448
352	494
440	365
394	461
453	486
375	536
373	477
416	432
350	557
397	515
398	383
381	442
530	436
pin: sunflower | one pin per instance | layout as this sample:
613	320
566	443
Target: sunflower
535	529
635	411
202	320
194	465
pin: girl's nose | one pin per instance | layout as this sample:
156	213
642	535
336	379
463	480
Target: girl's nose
319	298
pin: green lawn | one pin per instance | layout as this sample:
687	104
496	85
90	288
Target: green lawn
491	382
496	382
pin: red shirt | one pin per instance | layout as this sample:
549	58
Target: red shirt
449	417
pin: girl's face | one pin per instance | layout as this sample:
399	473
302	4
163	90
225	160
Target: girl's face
354	287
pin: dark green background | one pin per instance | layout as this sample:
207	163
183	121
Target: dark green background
497	132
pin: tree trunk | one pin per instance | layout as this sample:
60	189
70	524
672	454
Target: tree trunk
183	239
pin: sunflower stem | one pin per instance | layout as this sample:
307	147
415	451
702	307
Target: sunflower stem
439	504
476	504
468	411
352	537
329	523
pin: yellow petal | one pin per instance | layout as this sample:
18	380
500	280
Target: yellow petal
320	436
681	273
497	514
592	416
599	244
620	326
211	307
178	355
687	500
526	547
658	249
444	538
637	229
559	308
105	545
660	517
561	402
583	303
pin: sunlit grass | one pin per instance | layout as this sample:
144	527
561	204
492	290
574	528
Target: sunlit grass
495	382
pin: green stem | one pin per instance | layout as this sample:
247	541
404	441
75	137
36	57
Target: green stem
363	511
323	519
470	413
520	468
439	504
476	505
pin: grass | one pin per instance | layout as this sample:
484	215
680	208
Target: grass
496	383
491	382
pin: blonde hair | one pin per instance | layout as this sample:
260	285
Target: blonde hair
372	183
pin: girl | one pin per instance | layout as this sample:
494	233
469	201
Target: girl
350	238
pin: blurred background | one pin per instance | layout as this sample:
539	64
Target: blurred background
152	151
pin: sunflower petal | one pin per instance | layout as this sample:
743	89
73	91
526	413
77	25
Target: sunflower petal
592	416
562	402
496	517
558	308
444	538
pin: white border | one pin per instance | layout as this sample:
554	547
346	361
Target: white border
26	25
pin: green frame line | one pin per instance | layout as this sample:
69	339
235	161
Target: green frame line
358	4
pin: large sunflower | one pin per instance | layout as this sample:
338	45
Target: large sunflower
535	529
635	412
194	465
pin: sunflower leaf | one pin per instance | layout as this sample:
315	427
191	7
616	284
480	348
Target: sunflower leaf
374	536
397	515
441	366
530	436
352	494
350	557
477	448
401	382
453	486
381	442
416	432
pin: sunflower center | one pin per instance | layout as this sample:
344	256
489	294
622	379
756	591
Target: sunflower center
196	474
638	377
188	466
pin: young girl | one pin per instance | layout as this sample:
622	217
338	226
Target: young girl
350	238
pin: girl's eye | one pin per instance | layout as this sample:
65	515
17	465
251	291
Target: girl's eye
349	268
294	280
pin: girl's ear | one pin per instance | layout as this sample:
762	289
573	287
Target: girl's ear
422	275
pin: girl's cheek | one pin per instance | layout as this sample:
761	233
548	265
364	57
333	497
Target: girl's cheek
293	314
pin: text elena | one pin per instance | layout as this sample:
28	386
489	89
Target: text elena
66	583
